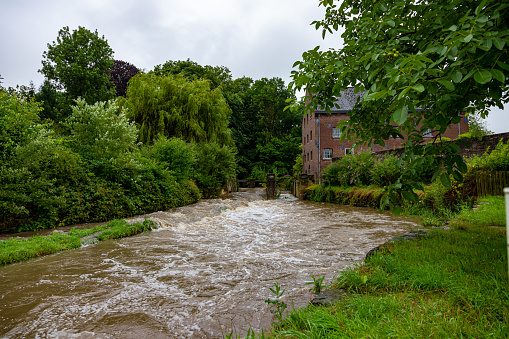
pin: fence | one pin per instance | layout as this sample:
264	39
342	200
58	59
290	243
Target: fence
491	183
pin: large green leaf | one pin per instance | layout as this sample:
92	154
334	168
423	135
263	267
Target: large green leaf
483	76
445	180
400	115
447	84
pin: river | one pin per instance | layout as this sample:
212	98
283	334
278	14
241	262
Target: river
204	273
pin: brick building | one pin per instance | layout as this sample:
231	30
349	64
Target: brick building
321	140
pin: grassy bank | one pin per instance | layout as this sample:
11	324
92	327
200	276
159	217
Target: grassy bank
19	249
450	284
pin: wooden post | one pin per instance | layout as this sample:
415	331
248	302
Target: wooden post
303	181
271	185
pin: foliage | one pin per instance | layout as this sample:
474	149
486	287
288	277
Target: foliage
297	167
47	156
361	197
350	170
50	100
215	165
477	127
48	181
217	75
280	305
176	107
101	131
495	160
176	155
281	153
269	99
385	170
317	284
243	123
419	64
18	123
77	63
120	74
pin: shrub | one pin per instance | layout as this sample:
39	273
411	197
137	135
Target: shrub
215	165
496	160
385	170
350	170
18	122
175	154
101	131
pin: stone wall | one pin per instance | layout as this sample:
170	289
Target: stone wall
473	147
479	147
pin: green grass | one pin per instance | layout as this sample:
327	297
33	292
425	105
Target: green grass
121	229
452	284
20	249
16	250
490	212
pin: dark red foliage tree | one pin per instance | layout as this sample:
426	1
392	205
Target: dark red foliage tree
120	74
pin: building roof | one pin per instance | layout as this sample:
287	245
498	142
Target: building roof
345	102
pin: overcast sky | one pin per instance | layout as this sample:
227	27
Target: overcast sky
261	38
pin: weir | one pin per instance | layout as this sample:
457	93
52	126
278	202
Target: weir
204	273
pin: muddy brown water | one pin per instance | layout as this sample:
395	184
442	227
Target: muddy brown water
204	273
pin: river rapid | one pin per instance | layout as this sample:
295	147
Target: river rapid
204	273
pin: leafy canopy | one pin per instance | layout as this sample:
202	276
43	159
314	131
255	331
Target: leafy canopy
120	74
419	62
173	106
77	62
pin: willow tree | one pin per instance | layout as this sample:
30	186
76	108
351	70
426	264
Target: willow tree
174	106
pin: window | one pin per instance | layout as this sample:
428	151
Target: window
311	155
327	153
336	133
311	136
348	151
428	133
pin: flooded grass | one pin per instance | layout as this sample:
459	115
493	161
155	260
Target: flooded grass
451	284
21	249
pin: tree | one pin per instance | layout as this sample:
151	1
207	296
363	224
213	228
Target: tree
217	75
269	99
101	131
420	63
120	74
477	127
50	100
19	123
77	63
173	106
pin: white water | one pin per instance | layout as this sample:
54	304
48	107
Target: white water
204	273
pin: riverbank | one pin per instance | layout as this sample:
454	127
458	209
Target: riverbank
450	283
19	249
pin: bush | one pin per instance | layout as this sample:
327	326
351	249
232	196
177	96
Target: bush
175	154
385	170
350	170
215	165
18	123
101	131
496	160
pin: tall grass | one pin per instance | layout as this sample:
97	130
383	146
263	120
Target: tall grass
450	284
